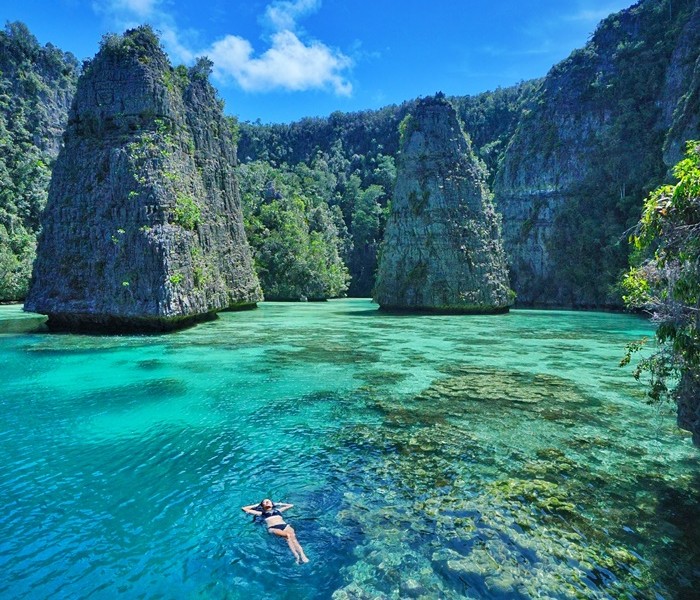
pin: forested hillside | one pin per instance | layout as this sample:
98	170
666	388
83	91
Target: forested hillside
37	85
354	155
298	241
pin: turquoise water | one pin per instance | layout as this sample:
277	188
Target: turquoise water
427	457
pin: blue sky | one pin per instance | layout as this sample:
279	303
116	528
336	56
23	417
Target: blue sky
280	60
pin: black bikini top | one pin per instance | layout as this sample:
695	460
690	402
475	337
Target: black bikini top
266	514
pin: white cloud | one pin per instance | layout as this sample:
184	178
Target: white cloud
172	40
288	64
142	8
282	15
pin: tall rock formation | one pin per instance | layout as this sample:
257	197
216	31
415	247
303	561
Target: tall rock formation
143	226
442	247
601	132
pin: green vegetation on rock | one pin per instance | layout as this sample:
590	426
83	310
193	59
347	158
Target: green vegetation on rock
188	213
36	87
667	284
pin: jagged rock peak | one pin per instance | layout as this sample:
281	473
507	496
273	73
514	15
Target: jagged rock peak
143	228
442	248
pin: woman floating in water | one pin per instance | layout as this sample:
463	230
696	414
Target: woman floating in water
272	514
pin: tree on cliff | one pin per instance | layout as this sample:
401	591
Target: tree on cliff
668	285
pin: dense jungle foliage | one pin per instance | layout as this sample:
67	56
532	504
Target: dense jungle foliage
297	239
358	199
666	282
36	87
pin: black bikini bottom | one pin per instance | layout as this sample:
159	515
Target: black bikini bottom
281	526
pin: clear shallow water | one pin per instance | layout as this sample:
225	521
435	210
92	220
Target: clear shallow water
483	457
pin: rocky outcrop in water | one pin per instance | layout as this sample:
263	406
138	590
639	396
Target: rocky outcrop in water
143	226
442	247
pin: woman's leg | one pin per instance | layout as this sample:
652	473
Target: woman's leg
300	550
285	533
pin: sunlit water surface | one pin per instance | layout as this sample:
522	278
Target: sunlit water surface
426	456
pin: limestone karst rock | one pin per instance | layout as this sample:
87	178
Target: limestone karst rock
591	146
442	248
143	227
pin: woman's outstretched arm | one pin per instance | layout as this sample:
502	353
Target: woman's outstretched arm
250	509
282	506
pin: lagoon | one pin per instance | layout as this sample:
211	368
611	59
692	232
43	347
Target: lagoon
427	456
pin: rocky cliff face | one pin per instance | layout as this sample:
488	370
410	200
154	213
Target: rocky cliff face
442	248
589	149
143	226
681	94
37	84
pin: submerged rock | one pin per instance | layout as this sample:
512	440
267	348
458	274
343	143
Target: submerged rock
143	227
442	247
524	529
